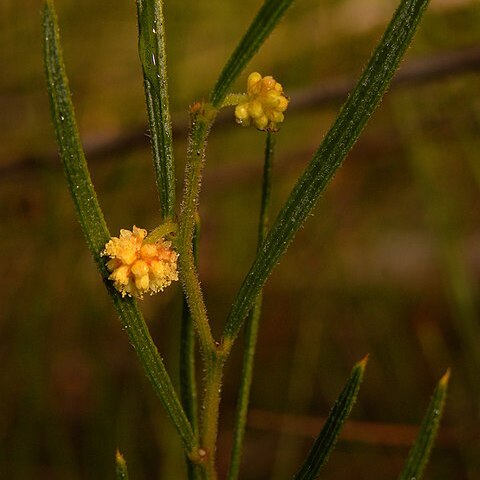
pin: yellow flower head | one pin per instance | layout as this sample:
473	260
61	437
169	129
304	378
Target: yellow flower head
138	267
264	103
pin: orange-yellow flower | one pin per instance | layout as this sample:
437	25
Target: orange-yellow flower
264	103
138	267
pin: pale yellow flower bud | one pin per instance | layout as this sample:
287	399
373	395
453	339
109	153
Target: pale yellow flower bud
278	117
140	268
261	122
137	267
241	114
264	103
253	79
255	109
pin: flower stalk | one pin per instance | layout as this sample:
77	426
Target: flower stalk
252	324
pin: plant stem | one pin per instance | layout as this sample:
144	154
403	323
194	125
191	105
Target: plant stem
188	391
200	127
251	327
163	230
266	188
214	354
210	410
188	387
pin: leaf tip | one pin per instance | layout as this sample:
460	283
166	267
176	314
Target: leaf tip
362	364
121	466
445	379
119	457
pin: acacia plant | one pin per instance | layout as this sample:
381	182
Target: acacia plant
137	262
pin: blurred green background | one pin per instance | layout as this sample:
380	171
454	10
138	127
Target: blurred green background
388	265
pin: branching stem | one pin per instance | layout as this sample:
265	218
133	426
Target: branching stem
214	354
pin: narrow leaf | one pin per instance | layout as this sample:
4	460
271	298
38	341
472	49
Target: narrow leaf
325	442
267	18
420	452
68	140
94	226
330	155
152	53
121	471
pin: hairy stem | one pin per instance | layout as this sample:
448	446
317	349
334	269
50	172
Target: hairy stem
200	128
210	410
188	386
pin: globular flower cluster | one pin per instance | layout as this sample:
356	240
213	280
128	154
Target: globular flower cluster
263	104
139	267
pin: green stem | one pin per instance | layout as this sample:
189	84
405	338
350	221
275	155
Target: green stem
210	410
233	99
214	354
251	327
161	231
266	187
200	128
188	387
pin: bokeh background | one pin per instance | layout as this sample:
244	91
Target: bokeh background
389	263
